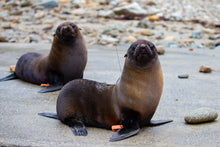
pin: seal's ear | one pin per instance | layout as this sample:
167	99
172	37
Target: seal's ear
125	55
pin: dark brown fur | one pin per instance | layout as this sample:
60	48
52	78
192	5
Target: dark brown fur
66	61
101	105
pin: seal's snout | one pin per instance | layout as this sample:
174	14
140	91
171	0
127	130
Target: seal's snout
143	46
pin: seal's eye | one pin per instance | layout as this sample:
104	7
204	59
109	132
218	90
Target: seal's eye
58	28
133	46
73	25
151	45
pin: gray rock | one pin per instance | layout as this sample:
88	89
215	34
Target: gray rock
104	40
160	50
3	39
197	34
158	36
145	24
183	76
214	37
132	9
197	45
25	3
106	13
49	4
201	115
177	15
217	44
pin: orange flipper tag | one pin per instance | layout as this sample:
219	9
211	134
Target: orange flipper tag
116	127
44	85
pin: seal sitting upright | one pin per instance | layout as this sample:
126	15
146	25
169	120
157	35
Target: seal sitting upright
132	102
66	61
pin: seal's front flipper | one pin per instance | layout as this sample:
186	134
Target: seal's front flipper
159	122
125	133
50	115
50	88
9	77
77	127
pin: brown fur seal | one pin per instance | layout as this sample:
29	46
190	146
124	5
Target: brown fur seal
66	61
131	102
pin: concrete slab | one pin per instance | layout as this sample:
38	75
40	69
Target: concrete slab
19	101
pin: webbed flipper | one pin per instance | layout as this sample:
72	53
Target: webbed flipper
125	132
9	77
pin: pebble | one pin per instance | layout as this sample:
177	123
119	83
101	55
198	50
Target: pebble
214	37
3	39
183	76
48	4
106	13
154	18
217	44
169	39
205	69
132	39
201	115
39	14
145	24
197	34
26	3
131	9
146	33
105	40
160	50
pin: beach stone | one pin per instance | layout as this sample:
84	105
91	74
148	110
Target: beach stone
154	18
214	37
131	39
197	34
3	39
105	40
217	44
205	69
106	13
132	9
145	24
26	3
183	76
146	33
160	50
39	14
201	115
49	4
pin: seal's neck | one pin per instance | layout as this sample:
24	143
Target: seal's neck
135	81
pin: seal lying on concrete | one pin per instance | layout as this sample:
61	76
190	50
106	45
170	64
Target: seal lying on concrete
66	61
131	102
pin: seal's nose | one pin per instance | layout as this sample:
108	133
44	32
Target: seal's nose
143	46
65	28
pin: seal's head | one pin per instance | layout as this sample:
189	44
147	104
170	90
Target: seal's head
142	53
67	31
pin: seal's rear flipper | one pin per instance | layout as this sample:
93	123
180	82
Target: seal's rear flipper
50	88
77	127
125	133
50	115
159	122
9	77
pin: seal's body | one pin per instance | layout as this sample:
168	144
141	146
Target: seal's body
66	61
132	102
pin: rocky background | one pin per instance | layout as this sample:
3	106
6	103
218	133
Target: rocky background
170	23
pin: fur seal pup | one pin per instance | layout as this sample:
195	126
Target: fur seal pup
66	61
131	102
